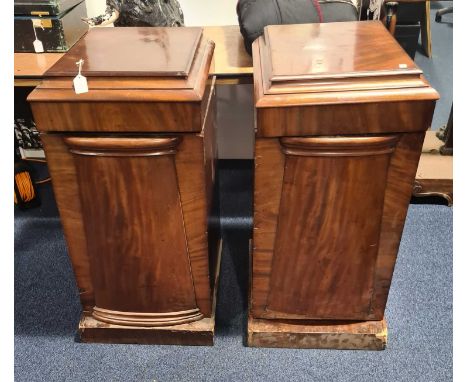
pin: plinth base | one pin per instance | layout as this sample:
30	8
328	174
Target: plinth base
195	333
367	335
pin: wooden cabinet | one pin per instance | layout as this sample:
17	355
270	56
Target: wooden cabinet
341	114
133	165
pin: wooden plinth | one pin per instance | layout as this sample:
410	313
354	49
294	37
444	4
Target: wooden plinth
368	335
198	333
195	333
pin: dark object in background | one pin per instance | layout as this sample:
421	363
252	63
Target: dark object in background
140	13
57	24
254	15
26	134
408	37
445	133
441	12
410	24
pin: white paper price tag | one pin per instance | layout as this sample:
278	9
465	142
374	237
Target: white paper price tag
38	47
37	44
79	82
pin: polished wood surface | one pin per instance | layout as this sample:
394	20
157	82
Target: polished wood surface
319	334
123	216
165	103
132	52
117	87
230	57
342	77
314	209
34	64
61	166
200	332
118	116
196	198
231	61
133	166
336	153
332	50
401	174
375	117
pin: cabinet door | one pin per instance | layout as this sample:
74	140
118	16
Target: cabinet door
322	206
133	198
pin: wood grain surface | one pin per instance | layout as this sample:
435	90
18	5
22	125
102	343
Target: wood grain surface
337	146
115	87
285	224
381	78
401	174
133	221
332	50
268	182
197	333
137	51
62	170
342	335
34	64
230	57
326	246
133	168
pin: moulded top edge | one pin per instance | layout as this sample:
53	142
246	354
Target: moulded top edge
132	52
341	50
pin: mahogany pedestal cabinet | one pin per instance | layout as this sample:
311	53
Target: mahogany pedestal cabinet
341	114
133	166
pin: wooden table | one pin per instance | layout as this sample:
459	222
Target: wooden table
233	65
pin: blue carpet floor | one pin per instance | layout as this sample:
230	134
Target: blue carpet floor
47	311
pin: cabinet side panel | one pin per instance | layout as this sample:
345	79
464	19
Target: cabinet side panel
64	180
400	182
191	177
269	164
211	175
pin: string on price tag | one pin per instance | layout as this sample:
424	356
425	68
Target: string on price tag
79	82
37	44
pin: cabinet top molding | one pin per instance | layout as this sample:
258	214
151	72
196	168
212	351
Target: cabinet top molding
133	64
334	63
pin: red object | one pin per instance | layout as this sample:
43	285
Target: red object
318	8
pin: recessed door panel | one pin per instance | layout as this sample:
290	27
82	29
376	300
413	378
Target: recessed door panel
135	229
328	227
